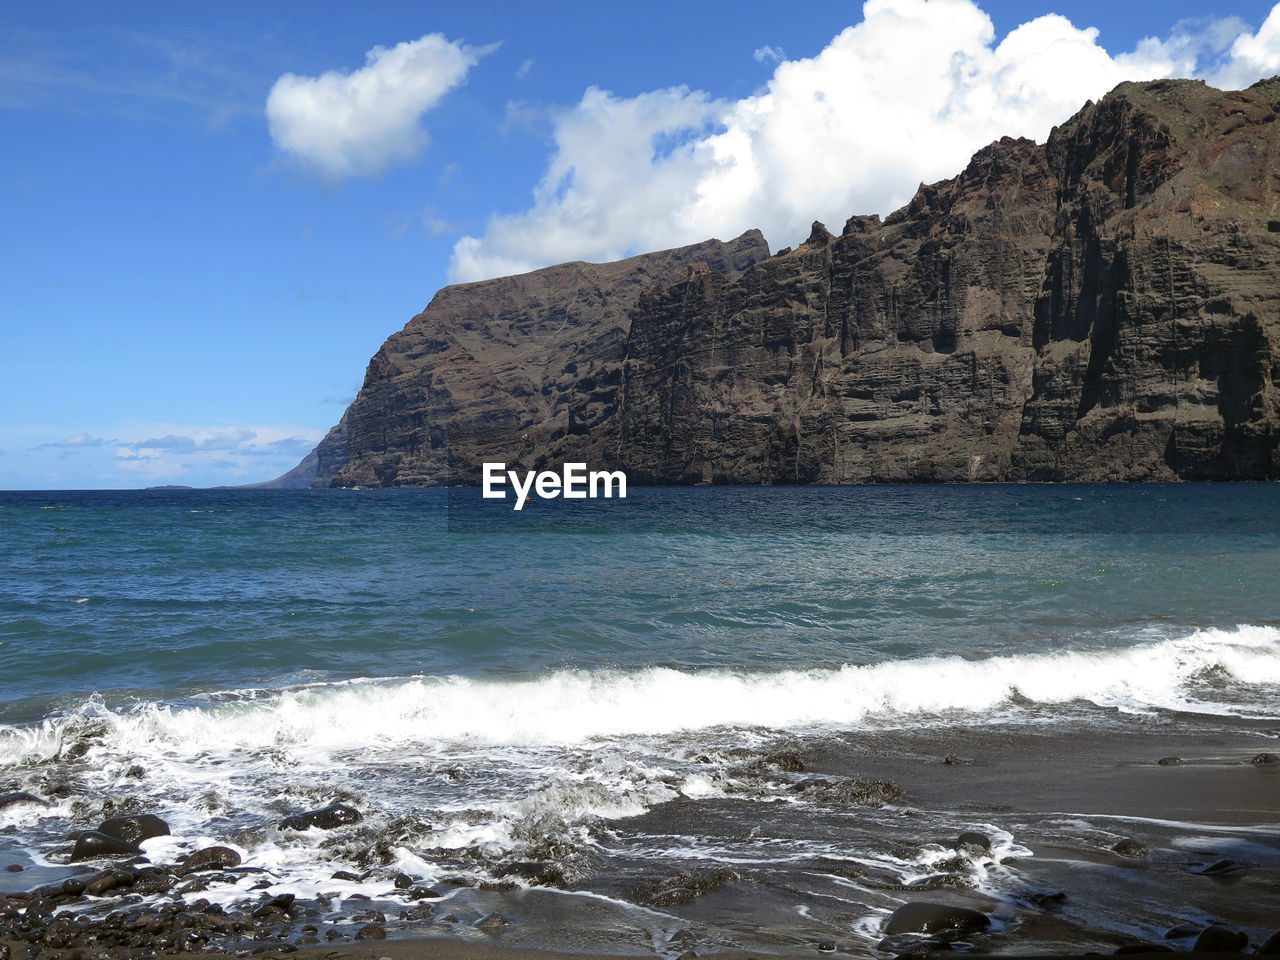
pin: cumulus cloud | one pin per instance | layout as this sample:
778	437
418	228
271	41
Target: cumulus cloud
1251	55
360	123
772	54
905	96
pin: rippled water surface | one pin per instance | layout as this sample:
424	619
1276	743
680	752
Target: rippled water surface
592	699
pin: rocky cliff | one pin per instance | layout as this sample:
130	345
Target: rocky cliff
1105	306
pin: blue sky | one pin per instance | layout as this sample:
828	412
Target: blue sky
212	216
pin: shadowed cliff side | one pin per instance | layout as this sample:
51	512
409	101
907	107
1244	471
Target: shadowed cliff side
1100	307
484	373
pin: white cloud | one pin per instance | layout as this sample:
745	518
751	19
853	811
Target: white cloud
772	54
76	442
213	454
435	224
905	96
359	123
524	69
1251	55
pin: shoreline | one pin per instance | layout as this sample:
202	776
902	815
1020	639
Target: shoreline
1201	842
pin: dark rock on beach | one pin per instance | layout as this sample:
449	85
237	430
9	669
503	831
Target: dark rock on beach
1130	849
134	829
540	872
1047	899
684	887
920	917
1220	939
973	842
1271	946
211	858
326	818
94	844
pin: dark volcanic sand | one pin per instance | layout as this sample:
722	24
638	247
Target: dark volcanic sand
1097	846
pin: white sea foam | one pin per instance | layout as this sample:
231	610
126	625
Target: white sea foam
1213	671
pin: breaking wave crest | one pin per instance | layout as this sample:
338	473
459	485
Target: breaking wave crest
1221	672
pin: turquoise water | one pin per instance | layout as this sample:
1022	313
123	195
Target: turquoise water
165	594
607	687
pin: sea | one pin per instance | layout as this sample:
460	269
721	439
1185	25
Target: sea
708	718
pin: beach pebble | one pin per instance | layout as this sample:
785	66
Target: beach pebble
951	760
1130	848
1169	761
100	883
326	818
371	931
493	921
93	844
822	946
921	917
1271	946
211	858
1220	939
1259	759
275	905
1048	899
134	829
973	842
1180	931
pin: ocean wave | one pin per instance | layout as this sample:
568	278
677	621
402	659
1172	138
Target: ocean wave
1217	672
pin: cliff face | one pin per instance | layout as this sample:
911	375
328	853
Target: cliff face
1100	307
485	373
